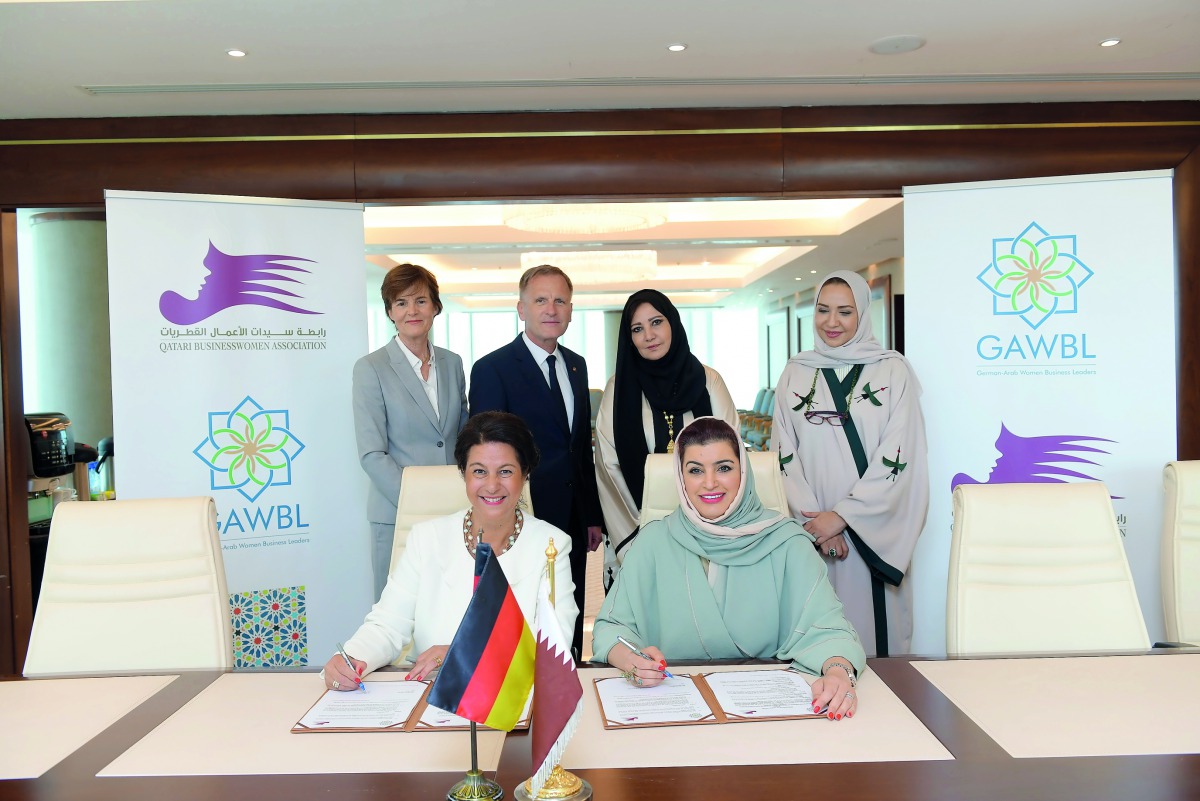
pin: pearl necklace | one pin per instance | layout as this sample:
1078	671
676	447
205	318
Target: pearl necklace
471	536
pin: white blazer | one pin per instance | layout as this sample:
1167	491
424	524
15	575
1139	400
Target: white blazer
431	585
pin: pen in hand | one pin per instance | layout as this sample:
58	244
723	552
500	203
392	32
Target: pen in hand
640	653
353	669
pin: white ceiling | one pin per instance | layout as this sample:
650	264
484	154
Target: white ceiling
167	57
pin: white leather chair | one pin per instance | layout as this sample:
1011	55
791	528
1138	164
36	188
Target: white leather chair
1039	568
132	586
1181	552
659	497
428	492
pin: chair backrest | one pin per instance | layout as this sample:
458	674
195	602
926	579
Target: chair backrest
132	585
659	497
1039	568
1181	551
428	492
595	396
768	407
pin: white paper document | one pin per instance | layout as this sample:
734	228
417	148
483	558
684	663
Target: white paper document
385	705
434	718
676	700
762	693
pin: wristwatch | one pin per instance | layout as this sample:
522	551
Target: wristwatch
849	671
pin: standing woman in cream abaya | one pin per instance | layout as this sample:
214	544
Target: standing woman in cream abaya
657	389
851	443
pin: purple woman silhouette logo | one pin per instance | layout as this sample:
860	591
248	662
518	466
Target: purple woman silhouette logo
1037	460
236	281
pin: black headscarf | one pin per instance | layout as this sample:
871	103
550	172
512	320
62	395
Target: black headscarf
673	384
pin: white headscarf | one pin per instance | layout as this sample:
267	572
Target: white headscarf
863	347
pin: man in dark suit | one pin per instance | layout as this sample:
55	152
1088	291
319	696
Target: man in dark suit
546	385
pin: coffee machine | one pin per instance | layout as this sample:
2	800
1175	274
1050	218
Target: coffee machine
51	458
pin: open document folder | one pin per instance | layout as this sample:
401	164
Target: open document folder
727	697
386	706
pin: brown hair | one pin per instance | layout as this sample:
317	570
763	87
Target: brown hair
540	270
706	431
499	427
402	278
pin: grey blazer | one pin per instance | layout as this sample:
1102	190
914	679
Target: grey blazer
394	423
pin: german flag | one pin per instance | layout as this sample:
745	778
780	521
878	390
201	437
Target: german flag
488	671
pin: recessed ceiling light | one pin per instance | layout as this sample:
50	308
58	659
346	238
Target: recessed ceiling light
799	278
235	53
814	272
770	290
678	47
894	45
1110	43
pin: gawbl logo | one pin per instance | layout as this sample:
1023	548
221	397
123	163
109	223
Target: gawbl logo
1035	275
248	449
239	280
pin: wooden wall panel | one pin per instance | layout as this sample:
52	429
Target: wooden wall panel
980	144
1187	300
69	174
463	160
16	599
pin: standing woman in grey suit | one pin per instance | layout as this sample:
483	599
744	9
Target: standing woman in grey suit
409	403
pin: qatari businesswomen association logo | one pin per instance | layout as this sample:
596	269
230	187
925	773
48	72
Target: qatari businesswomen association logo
248	279
1035	275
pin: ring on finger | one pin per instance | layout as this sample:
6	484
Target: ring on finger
336	684
637	680
850	696
833	551
437	661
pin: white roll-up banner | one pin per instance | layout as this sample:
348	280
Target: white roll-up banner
235	323
1040	318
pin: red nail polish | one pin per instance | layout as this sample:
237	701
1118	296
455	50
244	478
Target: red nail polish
816	709
831	716
407	676
849	714
839	717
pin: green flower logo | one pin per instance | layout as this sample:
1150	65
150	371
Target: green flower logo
249	449
1035	275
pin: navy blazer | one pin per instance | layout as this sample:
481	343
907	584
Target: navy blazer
509	380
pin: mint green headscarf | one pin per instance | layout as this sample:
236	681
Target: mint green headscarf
744	535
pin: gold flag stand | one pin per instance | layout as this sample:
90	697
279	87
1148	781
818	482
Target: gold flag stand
563	785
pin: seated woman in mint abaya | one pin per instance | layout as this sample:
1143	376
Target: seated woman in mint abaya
724	577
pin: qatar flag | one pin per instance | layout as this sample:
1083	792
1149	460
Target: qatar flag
557	696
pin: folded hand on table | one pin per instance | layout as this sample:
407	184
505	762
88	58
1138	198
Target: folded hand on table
833	694
429	661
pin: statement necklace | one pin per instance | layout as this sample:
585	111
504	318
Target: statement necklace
807	401
670	418
471	536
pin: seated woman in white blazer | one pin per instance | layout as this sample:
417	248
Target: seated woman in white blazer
428	590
